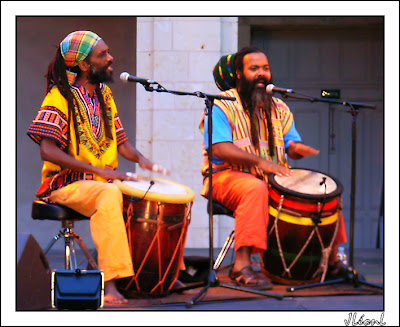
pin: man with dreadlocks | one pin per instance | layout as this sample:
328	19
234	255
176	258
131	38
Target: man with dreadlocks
251	137
80	134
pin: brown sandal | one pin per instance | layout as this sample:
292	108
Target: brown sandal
247	277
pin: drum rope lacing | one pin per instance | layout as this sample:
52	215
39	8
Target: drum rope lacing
325	251
180	244
277	236
136	275
286	268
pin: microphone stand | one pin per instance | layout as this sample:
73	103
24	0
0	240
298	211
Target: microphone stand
353	110
212	279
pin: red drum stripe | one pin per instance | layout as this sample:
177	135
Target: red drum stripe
300	205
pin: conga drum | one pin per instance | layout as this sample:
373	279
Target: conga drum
157	215
303	221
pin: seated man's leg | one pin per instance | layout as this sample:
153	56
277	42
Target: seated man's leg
103	203
247	196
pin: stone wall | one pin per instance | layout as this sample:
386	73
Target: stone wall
180	53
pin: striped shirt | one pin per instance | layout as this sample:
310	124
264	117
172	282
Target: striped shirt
231	123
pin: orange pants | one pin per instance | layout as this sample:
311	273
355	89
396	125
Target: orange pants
247	196
103	203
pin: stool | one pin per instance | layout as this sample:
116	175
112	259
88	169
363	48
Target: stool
219	209
42	210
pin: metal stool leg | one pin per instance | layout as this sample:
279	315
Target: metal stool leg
70	236
74	265
227	245
54	240
82	245
67	248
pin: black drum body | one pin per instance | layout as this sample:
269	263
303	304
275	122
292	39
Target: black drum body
303	220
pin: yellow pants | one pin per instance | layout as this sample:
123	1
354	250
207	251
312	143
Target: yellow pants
103	203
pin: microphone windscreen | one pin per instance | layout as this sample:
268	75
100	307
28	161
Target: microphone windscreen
124	76
270	88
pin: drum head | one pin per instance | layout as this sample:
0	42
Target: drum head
307	183
162	190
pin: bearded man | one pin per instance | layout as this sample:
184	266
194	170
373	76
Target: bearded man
80	134
251	138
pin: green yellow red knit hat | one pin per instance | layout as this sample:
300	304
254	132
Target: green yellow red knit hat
224	72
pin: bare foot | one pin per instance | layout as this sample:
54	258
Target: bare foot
112	295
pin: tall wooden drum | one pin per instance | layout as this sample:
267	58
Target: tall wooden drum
157	215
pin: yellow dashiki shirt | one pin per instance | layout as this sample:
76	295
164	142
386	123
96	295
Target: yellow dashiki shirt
53	121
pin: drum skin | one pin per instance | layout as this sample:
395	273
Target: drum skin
298	218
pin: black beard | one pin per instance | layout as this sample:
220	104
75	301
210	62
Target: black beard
254	99
259	99
251	96
97	76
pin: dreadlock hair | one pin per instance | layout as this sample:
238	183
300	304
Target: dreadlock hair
267	108
56	76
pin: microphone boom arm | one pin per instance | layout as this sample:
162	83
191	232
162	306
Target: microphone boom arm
352	105
198	94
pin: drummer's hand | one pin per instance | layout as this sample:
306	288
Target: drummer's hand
160	169
145	163
299	150
115	174
268	166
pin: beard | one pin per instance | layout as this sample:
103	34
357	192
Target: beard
260	99
254	99
100	75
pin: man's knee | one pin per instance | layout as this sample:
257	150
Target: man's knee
112	190
259	187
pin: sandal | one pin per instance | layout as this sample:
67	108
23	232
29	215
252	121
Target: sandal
247	277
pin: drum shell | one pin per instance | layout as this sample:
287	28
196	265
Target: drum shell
293	234
154	232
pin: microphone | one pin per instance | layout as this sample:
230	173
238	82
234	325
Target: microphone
126	77
271	88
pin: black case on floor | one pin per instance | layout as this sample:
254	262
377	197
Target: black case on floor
77	289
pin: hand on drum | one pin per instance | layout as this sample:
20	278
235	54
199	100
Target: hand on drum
297	150
269	167
115	174
147	164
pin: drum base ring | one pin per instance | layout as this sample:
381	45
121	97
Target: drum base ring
286	281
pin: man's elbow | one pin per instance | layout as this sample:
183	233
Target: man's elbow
43	153
46	151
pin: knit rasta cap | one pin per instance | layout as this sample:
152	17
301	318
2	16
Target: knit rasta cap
224	72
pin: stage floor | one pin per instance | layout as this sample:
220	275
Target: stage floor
337	297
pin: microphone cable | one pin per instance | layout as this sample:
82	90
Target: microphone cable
134	199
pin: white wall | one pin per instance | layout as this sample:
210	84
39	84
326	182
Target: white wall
180	53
